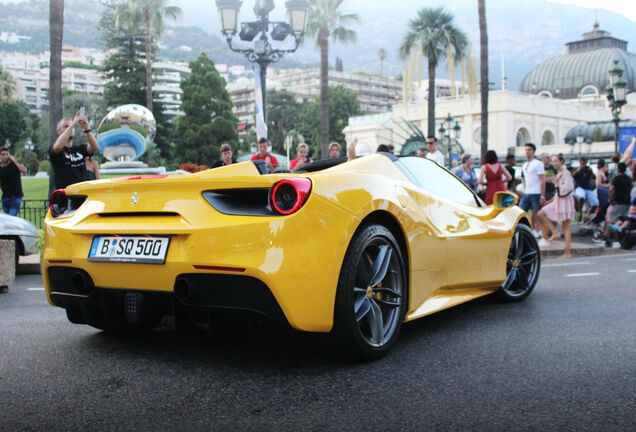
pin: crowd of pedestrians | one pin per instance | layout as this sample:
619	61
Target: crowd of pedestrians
554	193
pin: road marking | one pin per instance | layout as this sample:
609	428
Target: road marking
631	271
628	259
35	289
581	274
564	264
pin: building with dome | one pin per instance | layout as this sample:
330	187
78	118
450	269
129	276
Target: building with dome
560	106
582	71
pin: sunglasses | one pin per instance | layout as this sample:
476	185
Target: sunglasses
430	142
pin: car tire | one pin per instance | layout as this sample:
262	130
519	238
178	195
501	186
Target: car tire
372	295
523	265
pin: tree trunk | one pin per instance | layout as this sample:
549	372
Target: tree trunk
324	91
483	72
56	31
149	75
431	98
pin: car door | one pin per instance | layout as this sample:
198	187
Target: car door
471	248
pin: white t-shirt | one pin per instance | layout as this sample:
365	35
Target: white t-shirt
437	156
531	172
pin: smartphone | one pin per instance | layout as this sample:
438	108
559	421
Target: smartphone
82	111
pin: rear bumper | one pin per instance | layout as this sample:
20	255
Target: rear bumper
201	296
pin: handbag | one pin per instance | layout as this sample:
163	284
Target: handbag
562	195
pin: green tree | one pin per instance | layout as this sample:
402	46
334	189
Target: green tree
126	73
483	64
325	21
7	85
13	122
208	121
282	116
434	29
382	56
152	14
343	103
123	69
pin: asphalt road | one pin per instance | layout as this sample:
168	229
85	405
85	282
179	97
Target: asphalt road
564	359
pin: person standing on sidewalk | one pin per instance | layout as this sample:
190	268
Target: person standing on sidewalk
67	158
11	182
533	176
560	208
584	184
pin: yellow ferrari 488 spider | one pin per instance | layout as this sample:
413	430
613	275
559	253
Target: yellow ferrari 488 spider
347	249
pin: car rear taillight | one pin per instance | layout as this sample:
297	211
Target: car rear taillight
289	195
58	203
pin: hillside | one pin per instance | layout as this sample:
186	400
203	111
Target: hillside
525	32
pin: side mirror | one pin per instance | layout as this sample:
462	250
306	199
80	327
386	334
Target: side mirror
504	199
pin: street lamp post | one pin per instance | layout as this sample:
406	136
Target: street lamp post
445	134
28	145
616	91
263	53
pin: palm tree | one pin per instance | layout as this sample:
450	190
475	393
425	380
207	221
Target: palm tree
152	14
325	20
56	31
483	72
7	85
382	57
434	29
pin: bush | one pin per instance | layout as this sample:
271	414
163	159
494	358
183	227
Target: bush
44	166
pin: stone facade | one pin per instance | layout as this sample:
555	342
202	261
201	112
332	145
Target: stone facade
7	258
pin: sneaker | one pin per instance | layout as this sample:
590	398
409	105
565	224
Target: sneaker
544	243
537	234
4	289
598	240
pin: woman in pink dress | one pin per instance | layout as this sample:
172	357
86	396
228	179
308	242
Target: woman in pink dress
497	177
561	207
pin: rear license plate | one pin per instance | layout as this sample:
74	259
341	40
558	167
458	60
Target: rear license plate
129	249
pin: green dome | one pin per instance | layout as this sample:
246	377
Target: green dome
584	70
595	131
572	73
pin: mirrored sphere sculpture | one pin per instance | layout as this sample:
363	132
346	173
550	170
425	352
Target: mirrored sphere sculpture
125	132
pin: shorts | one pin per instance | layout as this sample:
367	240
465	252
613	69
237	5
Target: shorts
618	210
586	194
530	201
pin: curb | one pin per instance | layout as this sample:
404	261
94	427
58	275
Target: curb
587	251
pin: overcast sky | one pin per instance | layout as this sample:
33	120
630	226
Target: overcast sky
624	7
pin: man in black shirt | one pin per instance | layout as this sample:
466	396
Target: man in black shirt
619	193
11	182
67	159
226	156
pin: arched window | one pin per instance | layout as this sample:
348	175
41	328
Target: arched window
547	138
589	90
545	94
523	137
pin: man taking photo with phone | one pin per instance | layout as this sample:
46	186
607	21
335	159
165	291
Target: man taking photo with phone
67	158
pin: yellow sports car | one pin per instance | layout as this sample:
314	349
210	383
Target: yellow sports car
347	249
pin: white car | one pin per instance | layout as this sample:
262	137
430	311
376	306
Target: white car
23	232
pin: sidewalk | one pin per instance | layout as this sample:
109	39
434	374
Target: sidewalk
582	245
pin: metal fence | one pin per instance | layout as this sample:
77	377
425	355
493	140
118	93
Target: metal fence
34	211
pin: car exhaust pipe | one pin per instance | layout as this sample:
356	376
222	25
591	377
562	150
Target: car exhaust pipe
81	283
182	289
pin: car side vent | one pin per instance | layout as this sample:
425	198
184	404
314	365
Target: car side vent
240	202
